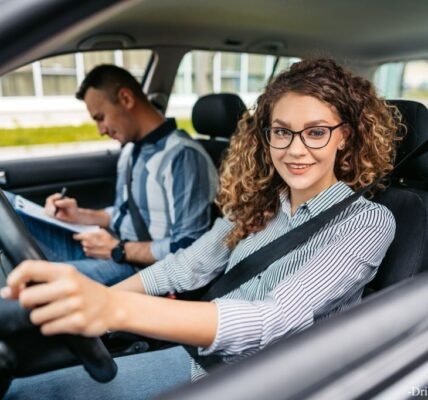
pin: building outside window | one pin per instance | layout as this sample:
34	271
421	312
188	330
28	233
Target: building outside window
228	69
184	83
202	68
200	72
135	61
403	80
259	71
58	75
18	83
204	72
94	58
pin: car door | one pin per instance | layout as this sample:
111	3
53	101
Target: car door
89	177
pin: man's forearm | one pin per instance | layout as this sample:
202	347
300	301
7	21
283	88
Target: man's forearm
88	216
139	253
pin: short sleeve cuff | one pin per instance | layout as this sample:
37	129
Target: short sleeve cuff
160	248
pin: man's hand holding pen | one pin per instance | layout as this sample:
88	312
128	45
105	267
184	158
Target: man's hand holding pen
95	244
63	208
62	196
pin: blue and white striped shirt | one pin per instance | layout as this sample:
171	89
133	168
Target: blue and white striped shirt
320	277
174	183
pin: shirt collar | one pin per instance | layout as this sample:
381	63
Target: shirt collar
158	133
322	201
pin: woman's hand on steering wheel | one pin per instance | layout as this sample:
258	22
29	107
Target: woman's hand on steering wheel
64	300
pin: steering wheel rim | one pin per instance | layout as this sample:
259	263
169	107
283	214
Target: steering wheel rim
19	245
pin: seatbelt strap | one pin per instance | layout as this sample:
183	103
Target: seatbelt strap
258	261
140	226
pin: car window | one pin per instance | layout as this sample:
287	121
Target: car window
38	107
204	72
403	80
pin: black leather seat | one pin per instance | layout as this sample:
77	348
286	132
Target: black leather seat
408	201
216	116
415	117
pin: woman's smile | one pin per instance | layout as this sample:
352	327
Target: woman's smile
298	168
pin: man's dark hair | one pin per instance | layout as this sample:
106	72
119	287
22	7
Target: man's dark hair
110	78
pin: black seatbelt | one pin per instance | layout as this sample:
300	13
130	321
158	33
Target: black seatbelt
140	226
258	261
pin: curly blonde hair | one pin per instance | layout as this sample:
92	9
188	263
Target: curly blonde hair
249	184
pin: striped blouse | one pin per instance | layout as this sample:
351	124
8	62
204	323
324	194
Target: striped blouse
320	277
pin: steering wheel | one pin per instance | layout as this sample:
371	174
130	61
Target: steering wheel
18	245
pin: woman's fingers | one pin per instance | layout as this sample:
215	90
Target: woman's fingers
33	271
63	301
44	293
55	310
78	323
72	323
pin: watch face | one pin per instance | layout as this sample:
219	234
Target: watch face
118	253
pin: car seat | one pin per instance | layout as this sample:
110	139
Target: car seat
216	116
407	198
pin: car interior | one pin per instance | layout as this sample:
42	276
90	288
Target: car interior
407	202
358	354
378	342
216	116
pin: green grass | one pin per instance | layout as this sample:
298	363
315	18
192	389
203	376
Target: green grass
186	124
60	134
416	94
43	135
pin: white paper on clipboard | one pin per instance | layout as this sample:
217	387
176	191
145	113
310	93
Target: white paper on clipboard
34	210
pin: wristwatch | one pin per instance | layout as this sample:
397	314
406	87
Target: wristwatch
118	253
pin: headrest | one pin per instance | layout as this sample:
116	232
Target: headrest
415	117
217	115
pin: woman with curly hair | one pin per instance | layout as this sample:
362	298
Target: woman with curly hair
318	133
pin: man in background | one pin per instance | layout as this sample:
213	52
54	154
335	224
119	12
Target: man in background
172	183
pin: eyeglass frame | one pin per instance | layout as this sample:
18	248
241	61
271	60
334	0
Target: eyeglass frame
294	133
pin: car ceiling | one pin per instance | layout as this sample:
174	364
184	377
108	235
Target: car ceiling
364	31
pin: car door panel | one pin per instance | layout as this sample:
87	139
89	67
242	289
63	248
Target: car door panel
89	177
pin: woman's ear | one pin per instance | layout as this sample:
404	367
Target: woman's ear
346	133
126	98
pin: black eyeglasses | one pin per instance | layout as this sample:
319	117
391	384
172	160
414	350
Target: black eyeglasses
314	137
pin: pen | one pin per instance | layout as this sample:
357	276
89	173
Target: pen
63	192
